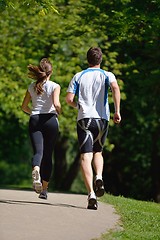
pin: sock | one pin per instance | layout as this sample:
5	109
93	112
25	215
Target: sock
92	195
98	177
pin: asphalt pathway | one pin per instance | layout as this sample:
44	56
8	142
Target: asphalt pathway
23	216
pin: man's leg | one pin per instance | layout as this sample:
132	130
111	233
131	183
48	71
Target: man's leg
86	167
98	167
98	163
87	171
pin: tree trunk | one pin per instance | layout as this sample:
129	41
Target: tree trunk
64	175
60	162
71	174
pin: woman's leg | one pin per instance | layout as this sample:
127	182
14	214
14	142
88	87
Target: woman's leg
37	144
36	140
50	133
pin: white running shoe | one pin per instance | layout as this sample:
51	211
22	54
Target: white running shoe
92	201
37	185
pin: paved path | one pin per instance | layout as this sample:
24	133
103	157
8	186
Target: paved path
23	216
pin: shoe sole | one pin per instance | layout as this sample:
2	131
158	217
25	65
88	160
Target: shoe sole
35	175
37	186
99	188
92	204
43	197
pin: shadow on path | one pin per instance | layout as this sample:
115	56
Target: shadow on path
22	202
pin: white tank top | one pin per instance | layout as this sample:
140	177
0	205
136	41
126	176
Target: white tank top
43	103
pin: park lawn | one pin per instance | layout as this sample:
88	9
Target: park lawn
140	220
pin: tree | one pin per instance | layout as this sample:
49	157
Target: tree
60	39
134	30
40	6
128	33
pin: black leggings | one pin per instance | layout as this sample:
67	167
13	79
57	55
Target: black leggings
43	130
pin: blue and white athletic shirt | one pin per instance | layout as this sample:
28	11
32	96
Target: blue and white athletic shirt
43	103
91	88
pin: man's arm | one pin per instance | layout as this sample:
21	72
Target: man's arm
116	99
70	100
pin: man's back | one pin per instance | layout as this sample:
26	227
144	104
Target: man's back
92	95
91	87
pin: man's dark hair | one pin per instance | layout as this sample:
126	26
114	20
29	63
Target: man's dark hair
94	56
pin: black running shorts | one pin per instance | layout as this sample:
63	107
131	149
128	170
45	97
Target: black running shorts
92	133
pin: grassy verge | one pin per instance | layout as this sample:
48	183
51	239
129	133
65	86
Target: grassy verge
140	220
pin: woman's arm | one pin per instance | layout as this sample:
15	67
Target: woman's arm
25	103
55	97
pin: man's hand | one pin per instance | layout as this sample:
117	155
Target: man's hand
117	118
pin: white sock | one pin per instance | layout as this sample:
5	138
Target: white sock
92	195
98	177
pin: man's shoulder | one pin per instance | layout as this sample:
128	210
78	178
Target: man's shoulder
107	72
110	76
78	74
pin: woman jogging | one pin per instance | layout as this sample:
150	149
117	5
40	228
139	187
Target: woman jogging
43	124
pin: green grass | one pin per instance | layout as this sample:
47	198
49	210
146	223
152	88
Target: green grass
139	220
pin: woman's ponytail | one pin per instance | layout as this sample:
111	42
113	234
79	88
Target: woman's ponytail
40	74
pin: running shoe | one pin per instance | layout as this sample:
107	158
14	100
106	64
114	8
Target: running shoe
37	185
43	195
99	187
92	202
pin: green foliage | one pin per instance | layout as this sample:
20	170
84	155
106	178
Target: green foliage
20	174
128	33
42	7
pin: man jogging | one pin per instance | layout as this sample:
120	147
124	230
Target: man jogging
91	88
